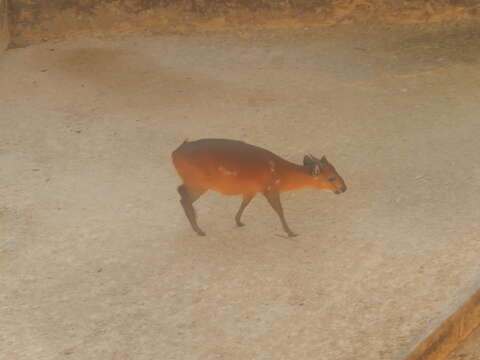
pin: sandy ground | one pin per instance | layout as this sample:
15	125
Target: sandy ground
97	260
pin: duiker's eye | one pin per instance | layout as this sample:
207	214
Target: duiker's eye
332	179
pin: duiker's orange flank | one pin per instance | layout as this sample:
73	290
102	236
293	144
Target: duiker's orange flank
236	168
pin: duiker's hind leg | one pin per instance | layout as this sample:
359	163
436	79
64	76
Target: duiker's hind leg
188	197
246	200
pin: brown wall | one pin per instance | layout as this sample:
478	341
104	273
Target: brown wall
4	35
40	18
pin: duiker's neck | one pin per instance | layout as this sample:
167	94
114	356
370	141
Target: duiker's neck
295	177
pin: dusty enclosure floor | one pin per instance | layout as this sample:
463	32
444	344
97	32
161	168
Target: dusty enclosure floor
97	259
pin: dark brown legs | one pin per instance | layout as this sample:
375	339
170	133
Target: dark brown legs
273	198
188	197
246	200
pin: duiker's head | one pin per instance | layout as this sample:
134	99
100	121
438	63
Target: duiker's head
325	175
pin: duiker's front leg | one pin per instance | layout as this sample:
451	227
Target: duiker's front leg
273	198
246	200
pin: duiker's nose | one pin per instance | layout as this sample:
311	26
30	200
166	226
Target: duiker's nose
341	190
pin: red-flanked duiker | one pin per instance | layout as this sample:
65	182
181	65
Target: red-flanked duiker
236	168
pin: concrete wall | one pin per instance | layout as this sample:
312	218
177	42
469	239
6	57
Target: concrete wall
4	35
37	18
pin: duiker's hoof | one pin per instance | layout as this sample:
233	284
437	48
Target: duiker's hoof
201	233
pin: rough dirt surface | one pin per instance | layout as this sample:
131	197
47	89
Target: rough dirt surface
97	259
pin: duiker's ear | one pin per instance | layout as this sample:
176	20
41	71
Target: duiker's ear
308	159
316	170
323	159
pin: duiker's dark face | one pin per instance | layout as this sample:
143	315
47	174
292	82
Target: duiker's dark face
325	175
